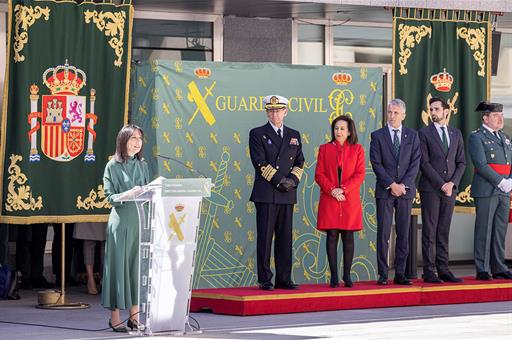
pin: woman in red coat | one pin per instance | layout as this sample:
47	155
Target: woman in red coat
340	170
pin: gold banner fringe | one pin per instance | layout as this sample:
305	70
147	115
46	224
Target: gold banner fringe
441	14
458	209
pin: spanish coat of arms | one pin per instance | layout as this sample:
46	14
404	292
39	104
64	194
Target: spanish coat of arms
63	116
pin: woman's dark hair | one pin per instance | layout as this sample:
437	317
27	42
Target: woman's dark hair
352	138
123	136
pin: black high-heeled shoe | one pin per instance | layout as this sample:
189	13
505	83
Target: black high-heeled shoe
348	282
119	329
133	324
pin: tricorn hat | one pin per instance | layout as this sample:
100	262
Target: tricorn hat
489	107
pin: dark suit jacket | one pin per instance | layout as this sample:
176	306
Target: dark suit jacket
436	167
389	169
486	150
273	159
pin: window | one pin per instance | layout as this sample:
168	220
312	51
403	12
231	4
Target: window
172	40
501	84
310	44
362	45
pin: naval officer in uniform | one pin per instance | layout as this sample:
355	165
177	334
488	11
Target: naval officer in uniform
491	153
276	154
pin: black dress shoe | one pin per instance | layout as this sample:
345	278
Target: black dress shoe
334	285
266	286
133	324
449	277
402	280
118	329
432	278
382	281
348	281
505	275
484	276
288	285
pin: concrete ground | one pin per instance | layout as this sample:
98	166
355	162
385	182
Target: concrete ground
21	320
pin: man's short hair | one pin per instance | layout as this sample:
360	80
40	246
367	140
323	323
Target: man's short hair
397	102
443	102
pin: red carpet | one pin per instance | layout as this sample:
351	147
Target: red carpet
320	297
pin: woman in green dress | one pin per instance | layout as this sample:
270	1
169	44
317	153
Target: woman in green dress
124	175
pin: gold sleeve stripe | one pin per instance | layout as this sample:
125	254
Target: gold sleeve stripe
268	172
297	172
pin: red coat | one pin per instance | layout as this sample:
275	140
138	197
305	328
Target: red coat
348	214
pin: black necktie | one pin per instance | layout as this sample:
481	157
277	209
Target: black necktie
496	135
279	133
445	140
396	142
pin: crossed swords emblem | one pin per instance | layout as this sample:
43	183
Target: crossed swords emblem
194	95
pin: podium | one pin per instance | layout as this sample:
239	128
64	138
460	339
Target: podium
169	212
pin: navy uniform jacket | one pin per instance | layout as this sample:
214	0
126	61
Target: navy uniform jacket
436	167
491	158
389	169
272	163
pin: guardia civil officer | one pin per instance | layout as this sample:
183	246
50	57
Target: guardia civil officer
491	153
276	154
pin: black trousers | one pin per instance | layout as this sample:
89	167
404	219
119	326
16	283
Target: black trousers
274	219
30	244
402	209
436	217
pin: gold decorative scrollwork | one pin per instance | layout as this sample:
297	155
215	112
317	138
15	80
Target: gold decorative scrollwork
95	200
475	38
20	197
409	37
24	17
417	199
112	24
465	196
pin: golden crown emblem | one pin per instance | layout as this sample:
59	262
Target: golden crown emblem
341	78
64	79
202	72
442	81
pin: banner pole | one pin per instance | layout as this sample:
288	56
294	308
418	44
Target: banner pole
63	263
61	303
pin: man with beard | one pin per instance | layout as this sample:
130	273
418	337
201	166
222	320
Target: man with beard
442	166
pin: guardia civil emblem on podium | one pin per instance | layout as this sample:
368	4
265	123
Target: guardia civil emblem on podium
63	118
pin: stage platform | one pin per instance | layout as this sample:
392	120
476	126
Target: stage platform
246	301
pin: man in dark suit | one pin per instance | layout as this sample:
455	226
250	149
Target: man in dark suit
491	153
442	166
276	154
395	157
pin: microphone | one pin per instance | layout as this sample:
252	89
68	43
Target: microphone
192	170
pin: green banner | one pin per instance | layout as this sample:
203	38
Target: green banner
200	114
443	54
65	98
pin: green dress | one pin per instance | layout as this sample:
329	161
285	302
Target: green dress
121	265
